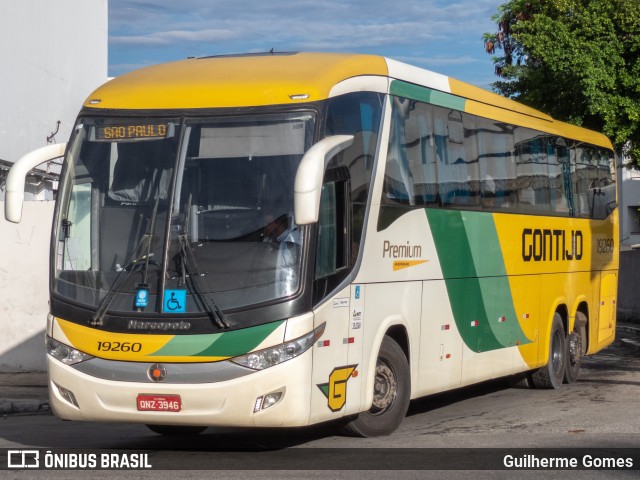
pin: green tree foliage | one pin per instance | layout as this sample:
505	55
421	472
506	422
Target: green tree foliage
577	60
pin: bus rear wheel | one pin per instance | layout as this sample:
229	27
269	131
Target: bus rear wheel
176	430
391	394
575	348
552	374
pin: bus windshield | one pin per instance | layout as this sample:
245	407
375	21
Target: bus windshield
174	215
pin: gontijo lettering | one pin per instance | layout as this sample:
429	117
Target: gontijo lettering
540	245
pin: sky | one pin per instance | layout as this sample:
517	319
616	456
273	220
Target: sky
443	36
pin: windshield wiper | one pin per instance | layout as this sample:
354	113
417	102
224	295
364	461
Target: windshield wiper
190	269
129	267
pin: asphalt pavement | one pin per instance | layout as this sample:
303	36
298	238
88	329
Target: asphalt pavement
27	392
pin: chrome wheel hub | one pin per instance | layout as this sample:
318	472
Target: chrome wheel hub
385	388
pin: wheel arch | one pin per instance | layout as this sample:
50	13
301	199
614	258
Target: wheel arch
399	333
560	308
564	315
583	309
395	328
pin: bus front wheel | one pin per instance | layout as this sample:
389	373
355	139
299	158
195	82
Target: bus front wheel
391	394
552	374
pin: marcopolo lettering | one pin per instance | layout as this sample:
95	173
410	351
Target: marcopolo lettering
547	245
142	325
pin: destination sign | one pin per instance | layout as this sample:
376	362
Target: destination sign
131	132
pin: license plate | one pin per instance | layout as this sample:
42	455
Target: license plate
159	403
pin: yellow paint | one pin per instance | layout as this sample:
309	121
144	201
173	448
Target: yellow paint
338	387
476	93
92	341
490	105
402	264
233	81
607	307
538	288
544	123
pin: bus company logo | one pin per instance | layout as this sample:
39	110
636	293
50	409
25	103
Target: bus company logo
157	372
408	255
336	389
23	459
546	245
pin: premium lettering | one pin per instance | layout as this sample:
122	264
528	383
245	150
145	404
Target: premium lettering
389	250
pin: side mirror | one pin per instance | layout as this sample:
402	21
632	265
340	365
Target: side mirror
308	182
14	186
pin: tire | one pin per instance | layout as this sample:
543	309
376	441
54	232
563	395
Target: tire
391	395
521	380
552	374
176	430
575	348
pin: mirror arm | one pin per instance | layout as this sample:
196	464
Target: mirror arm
308	182
14	186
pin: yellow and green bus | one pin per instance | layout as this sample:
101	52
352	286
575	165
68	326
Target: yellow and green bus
284	239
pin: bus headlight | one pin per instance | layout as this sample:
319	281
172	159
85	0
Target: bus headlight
272	356
64	353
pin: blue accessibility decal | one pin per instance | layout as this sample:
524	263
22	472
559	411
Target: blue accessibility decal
175	301
142	297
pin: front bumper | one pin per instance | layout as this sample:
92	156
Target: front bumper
230	402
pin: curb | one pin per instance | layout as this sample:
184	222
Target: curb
632	330
10	406
628	329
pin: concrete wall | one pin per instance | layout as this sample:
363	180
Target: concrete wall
24	287
629	204
629	275
628	286
53	54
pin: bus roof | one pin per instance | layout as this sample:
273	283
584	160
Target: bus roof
235	81
253	80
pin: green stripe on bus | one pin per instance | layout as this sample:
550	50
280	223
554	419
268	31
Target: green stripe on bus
228	344
475	277
427	95
489	264
187	345
240	342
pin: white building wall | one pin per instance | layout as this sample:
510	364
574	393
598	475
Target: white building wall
53	54
629	204
24	287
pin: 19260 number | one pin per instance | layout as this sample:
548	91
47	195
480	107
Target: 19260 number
119	347
605	245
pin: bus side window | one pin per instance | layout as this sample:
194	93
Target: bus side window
333	246
497	165
358	114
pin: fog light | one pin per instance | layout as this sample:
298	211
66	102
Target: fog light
67	395
271	399
268	400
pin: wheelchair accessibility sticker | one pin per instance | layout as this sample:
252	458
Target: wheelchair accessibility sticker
175	301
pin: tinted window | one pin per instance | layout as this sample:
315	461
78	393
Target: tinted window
441	157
